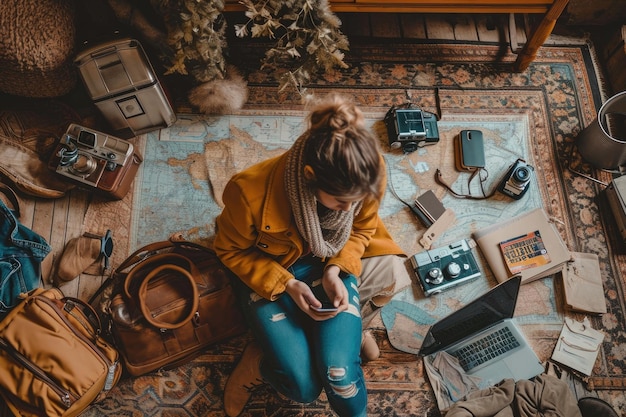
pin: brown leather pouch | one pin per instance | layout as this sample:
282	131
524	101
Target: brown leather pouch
172	303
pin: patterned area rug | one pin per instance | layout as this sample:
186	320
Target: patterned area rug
549	104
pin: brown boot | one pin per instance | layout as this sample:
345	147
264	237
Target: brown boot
78	254
369	347
245	377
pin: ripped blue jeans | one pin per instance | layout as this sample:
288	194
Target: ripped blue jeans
302	356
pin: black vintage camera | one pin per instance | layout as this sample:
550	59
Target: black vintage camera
410	128
517	180
96	161
445	267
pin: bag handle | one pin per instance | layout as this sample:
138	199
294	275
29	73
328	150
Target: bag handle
12	197
174	262
87	310
139	255
144	252
143	290
153	248
68	303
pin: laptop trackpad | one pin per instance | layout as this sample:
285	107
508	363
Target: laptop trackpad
517	367
494	373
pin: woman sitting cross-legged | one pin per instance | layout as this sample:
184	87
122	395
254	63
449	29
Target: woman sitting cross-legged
296	229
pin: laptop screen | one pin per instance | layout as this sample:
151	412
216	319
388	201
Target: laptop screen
488	309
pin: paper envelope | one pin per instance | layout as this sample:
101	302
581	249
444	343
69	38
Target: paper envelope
578	345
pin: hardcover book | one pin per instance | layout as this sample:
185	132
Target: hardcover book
528	245
525	251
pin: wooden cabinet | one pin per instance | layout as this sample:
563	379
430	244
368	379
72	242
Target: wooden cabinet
550	9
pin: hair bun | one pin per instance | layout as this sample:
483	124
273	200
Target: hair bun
335	113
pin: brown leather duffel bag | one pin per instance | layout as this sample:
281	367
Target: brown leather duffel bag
53	361
173	299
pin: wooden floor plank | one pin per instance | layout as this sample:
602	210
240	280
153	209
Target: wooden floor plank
355	24
42	218
490	28
439	27
27	210
58	232
465	28
386	25
79	201
413	26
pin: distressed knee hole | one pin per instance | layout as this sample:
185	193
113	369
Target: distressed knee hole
345	391
278	317
335	373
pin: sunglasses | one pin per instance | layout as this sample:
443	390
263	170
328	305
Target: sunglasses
106	247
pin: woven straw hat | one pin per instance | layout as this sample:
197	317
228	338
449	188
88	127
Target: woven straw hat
37	40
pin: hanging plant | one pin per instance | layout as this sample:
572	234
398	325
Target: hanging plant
306	33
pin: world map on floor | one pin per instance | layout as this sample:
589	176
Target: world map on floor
187	166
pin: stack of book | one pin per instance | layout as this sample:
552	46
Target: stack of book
528	245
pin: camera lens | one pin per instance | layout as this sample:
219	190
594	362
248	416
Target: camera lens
84	165
521	175
409	147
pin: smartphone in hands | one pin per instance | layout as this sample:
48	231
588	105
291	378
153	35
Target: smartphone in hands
326	307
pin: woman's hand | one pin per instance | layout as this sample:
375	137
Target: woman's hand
303	296
335	288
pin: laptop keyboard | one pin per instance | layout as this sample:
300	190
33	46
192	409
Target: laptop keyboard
489	347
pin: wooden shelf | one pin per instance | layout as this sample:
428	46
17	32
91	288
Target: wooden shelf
551	9
429	6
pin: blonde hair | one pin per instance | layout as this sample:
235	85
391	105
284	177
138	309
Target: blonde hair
343	153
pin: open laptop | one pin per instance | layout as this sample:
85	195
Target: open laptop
484	337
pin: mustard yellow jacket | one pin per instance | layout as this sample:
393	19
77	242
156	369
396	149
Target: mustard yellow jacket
257	238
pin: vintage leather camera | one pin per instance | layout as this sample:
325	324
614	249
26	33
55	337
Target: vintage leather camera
517	180
96	161
410	128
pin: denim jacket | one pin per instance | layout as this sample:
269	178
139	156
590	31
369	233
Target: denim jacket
21	254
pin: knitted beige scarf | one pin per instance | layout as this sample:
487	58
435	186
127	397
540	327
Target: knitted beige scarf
328	233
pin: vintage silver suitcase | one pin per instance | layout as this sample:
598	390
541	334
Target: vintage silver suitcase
123	85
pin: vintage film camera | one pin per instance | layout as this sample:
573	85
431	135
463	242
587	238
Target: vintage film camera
96	161
444	267
410	128
517	180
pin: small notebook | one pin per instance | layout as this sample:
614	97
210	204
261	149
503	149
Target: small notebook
582	284
528	245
